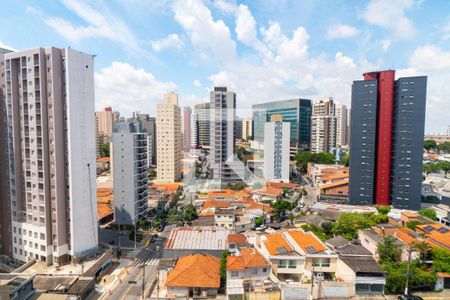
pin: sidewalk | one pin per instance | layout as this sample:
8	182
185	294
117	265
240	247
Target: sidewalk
109	281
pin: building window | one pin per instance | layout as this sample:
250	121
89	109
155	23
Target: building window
292	264
234	273
281	264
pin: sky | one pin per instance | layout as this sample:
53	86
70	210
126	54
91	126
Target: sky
264	50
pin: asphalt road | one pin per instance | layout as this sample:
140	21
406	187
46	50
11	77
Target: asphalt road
131	286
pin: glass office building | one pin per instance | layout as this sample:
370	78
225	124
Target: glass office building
295	111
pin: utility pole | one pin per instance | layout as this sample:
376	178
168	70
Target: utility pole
143	281
407	270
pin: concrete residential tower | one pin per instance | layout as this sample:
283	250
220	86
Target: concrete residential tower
50	105
247	128
388	118
129	144
342	126
276	149
187	113
149	124
323	125
223	168
5	203
168	117
201	125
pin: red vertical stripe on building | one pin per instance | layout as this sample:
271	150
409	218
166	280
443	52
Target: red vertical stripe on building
384	134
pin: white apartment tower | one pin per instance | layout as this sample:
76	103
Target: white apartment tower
51	128
342	126
323	125
276	149
224	168
169	141
129	142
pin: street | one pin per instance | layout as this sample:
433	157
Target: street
146	259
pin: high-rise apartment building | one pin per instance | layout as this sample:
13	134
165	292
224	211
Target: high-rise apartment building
387	131
51	128
130	176
342	126
149	124
276	149
224	168
201	122
247	128
105	120
187	114
168	122
5	203
323	125
237	129
295	111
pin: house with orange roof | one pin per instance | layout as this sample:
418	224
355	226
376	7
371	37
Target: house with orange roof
222	195
268	194
334	189
195	276
236	241
282	185
167	188
249	265
436	234
295	254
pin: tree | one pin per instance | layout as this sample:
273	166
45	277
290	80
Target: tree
189	213
302	159
444	147
441	259
104	150
223	267
384	209
280	208
258	222
257	185
413	224
389	250
428	213
396	277
348	225
429	145
346	160
327	228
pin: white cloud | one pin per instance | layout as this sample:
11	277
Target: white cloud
246	29
390	15
197	83
430	57
341	31
385	44
7	47
128	89
99	24
171	41
205	33
225	6
446	31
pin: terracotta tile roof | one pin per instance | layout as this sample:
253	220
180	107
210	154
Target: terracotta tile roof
270	191
275	242
406	235
169	188
221	193
410	214
438	234
307	241
103	159
207	213
103	210
334	170
248	258
334	184
332	176
211	203
198	270
443	275
281	185
264	207
236	238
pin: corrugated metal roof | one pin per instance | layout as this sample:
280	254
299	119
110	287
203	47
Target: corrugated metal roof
198	238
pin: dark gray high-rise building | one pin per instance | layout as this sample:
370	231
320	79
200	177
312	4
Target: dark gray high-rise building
387	128
237	129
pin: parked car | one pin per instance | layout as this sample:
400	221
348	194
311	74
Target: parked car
409	297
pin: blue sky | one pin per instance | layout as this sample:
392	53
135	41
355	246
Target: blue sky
263	50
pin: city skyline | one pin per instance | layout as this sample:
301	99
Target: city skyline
287	57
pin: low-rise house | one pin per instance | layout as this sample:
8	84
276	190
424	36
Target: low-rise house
249	265
436	234
268	194
186	240
225	218
297	256
336	189
442	213
196	275
16	286
357	266
236	241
